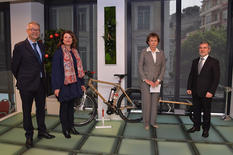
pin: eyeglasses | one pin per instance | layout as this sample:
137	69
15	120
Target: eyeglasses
34	30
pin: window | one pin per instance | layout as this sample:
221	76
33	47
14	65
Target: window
82	19
61	17
143	17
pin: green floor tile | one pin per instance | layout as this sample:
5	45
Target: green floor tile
50	121
113	131
185	120
218	121
13	120
36	151
15	135
167	119
83	129
3	129
9	149
173	148
98	144
60	141
136	130
197	136
213	149
136	147
226	131
167	131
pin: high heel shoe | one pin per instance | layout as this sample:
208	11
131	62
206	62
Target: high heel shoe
74	131
66	134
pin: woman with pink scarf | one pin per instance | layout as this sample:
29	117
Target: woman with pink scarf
67	80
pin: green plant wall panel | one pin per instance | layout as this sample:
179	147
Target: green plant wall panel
110	34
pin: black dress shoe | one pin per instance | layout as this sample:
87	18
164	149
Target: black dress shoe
29	143
205	133
74	131
193	129
66	134
45	135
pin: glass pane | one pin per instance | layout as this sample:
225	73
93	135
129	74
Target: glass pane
169	49
146	18
204	20
61	17
87	31
7	104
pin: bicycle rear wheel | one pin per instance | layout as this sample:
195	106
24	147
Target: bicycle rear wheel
85	110
130	111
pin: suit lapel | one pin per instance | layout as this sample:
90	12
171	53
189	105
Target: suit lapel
149	54
31	51
205	64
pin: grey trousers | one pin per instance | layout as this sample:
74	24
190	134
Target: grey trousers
149	105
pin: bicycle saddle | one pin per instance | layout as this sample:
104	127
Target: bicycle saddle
121	76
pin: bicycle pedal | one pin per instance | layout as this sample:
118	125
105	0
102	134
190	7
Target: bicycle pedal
109	111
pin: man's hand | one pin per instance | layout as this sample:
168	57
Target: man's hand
56	92
189	92
208	95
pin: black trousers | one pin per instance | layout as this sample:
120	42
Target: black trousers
27	98
202	104
67	115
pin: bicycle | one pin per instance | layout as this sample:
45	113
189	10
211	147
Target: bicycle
127	106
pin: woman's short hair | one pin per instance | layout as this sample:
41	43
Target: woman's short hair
151	35
74	39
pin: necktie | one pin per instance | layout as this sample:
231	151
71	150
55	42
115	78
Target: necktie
36	52
200	64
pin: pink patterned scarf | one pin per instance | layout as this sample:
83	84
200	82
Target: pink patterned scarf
70	76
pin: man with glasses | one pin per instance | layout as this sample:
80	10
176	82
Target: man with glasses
202	84
28	69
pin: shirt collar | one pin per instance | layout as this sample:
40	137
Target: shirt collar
205	57
31	42
149	50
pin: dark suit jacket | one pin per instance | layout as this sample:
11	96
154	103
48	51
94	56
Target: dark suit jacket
26	67
207	80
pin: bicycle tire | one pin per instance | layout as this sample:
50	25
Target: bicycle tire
130	112
85	110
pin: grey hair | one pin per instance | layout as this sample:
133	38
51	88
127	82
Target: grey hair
32	23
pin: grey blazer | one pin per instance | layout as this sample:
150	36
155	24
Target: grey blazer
150	70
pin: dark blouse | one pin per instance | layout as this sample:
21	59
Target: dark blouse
70	91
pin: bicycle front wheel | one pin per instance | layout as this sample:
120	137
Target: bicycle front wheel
85	110
130	109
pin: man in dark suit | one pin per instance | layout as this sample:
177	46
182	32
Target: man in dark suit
28	69
202	84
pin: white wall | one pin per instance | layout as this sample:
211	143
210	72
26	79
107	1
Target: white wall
21	14
106	71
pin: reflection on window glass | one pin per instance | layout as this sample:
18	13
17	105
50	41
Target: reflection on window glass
145	17
7	104
204	20
87	31
61	17
82	19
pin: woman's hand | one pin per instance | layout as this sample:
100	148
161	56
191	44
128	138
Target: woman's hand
151	83
83	88
56	92
156	83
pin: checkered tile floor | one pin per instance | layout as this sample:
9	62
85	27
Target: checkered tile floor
123	138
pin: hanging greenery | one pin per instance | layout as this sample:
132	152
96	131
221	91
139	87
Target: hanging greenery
110	35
